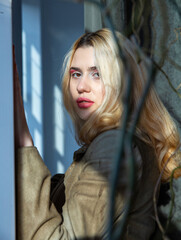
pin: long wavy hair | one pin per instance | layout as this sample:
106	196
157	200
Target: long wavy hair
155	126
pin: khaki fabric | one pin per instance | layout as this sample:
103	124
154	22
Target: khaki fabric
86	184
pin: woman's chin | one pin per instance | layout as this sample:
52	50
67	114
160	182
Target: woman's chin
84	116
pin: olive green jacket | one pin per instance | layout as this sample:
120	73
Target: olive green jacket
86	188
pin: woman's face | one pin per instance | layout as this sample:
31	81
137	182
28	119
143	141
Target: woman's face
86	87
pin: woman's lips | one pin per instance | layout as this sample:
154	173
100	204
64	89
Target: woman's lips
84	102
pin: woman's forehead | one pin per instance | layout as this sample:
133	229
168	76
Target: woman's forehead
84	57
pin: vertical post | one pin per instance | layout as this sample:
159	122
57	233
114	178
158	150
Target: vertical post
92	17
7	196
17	34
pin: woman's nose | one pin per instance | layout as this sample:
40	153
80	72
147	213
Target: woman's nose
83	85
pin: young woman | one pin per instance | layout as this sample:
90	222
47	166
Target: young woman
93	89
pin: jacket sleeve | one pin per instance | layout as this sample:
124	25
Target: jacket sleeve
37	217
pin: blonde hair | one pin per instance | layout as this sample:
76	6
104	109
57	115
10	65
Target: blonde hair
155	126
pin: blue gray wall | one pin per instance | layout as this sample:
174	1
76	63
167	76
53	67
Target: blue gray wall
62	24
49	30
7	196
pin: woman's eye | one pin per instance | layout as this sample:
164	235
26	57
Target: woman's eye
76	75
96	75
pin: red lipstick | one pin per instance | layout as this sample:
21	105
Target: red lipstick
84	102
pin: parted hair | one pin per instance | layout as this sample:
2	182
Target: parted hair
155	125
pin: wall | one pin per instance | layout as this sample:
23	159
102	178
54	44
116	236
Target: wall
49	29
62	24
7	197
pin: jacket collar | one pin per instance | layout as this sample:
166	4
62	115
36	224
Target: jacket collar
79	153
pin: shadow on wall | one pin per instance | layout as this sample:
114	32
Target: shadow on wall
49	30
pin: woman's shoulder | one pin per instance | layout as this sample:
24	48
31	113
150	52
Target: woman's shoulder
107	136
112	138
105	144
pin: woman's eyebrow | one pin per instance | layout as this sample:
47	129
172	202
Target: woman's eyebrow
92	68
75	69
79	70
